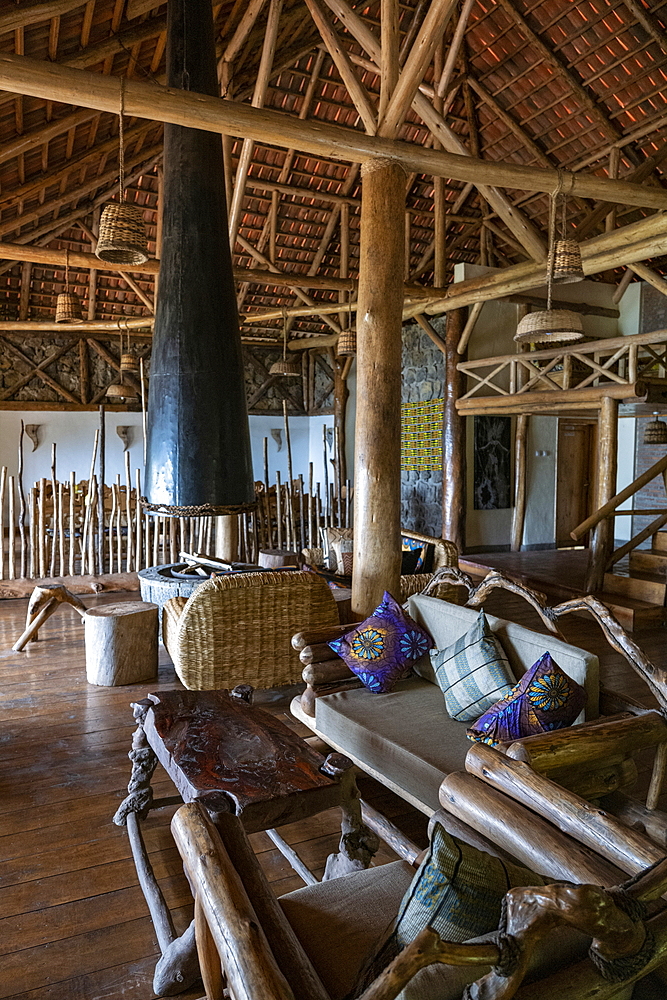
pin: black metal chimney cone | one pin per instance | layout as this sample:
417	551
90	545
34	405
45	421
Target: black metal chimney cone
198	452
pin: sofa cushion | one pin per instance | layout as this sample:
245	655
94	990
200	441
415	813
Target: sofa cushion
384	647
457	891
446	622
341	922
472	673
405	736
544	699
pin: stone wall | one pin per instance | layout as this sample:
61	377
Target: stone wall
422	380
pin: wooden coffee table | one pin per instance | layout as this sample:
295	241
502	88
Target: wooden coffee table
220	749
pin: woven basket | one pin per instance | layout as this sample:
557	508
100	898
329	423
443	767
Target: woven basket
655	432
347	344
286	368
122	238
68	308
567	262
549	326
129	362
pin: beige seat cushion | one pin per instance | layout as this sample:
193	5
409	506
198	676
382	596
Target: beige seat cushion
406	735
341	922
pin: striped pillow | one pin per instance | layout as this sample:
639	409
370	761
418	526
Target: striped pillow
473	673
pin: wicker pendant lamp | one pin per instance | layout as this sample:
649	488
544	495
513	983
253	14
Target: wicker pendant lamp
346	347
68	304
121	391
655	431
289	369
551	326
122	238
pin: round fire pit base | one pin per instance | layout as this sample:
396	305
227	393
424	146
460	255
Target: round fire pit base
158	585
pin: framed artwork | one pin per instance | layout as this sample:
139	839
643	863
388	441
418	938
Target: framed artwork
493	463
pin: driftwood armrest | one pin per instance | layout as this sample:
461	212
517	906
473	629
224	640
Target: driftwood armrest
612	703
317	636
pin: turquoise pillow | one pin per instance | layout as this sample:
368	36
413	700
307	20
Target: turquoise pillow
458	891
473	673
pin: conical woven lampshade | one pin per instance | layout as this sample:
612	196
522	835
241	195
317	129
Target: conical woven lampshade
546	326
284	367
655	431
120	392
122	238
347	344
567	266
68	308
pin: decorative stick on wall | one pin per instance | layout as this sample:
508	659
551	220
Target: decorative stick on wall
3	485
22	535
54	502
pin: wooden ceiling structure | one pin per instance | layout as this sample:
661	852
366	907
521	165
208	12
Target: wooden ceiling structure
529	96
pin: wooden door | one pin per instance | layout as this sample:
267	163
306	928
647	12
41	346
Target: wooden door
575	476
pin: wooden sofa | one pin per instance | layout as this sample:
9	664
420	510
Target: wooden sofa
405	738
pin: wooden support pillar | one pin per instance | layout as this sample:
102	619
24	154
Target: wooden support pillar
227	537
377	506
603	535
453	437
341	396
520	441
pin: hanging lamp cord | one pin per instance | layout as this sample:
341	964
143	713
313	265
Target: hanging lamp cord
284	335
121	140
67	270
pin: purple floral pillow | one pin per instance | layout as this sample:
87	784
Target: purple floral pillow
383	648
544	699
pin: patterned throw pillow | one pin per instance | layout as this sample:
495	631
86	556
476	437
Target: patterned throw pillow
544	699
383	648
473	672
457	890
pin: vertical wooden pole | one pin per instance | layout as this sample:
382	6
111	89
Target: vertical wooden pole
312	534
54	502
139	553
377	513
61	529
42	527
603	535
227	538
129	551
22	534
72	522
453	437
279	510
520	440
11	513
119	517
100	497
3	481
32	512
341	396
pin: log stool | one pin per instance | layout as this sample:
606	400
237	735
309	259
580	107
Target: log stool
121	643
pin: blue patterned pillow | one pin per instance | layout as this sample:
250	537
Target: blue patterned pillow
383	648
457	890
473	673
544	699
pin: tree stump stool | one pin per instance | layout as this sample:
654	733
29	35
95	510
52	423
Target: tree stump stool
277	558
121	643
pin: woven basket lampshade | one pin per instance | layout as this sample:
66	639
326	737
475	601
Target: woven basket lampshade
549	326
122	238
118	392
287	368
567	262
655	431
347	344
68	308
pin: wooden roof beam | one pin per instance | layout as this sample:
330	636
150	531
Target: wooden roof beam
142	100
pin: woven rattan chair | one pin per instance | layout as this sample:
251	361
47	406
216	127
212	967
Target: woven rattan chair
237	629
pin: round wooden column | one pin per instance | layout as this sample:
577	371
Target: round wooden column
603	535
454	437
377	462
227	537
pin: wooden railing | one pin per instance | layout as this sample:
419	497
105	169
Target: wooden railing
614	365
610	509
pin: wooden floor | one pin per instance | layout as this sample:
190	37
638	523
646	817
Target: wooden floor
73	922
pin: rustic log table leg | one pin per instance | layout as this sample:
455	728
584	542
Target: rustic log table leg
357	844
178	966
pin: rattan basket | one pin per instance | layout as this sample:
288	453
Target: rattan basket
285	368
347	344
655	432
567	262
129	362
122	238
68	308
546	326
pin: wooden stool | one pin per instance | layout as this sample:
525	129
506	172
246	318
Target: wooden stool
121	643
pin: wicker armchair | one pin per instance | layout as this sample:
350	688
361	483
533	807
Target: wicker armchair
444	554
237	629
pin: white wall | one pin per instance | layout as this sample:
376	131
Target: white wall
74	434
